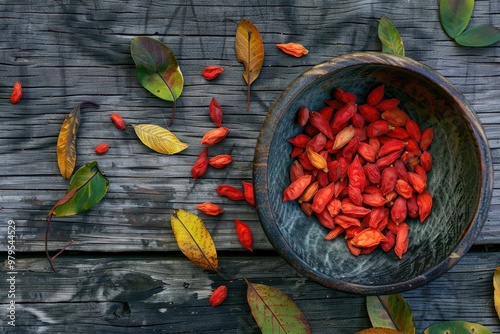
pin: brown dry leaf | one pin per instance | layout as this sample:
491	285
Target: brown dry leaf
249	51
66	142
496	285
378	331
194	240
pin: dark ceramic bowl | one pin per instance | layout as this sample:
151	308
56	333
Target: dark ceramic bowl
460	181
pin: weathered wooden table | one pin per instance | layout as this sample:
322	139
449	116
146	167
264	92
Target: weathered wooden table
124	272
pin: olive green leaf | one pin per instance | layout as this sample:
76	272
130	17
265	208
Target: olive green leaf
194	240
390	311
482	35
86	188
455	15
157	69
496	286
390	38
159	139
66	142
457	327
274	311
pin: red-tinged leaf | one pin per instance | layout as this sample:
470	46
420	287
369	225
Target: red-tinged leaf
390	311
482	35
455	15
157	69
457	327
274	311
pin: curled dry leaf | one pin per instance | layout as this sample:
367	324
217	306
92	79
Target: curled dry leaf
194	240
159	139
249	50
274	311
66	142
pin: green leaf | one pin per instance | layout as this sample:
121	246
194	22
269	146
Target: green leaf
157	68
455	15
274	311
457	327
88	186
390	311
390	38
482	35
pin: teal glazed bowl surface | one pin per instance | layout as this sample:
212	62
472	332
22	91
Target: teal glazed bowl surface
461	179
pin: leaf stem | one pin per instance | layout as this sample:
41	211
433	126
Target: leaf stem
65	199
248	69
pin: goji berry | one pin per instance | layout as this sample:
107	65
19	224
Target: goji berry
293	49
244	234
210	209
303	116
320	123
379	149
214	136
230	192
395	117
118	121
296	188
215	112
426	139
369	113
220	161
201	165
376	95
101	148
17	93
218	296
248	192
212	72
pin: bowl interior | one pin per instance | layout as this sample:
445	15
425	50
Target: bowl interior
454	182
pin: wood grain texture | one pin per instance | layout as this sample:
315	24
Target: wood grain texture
167	293
65	52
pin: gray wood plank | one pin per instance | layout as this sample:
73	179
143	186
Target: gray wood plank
66	52
165	292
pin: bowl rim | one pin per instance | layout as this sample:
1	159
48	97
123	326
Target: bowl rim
260	171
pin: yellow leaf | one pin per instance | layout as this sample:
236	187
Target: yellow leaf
496	285
194	240
159	139
249	51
